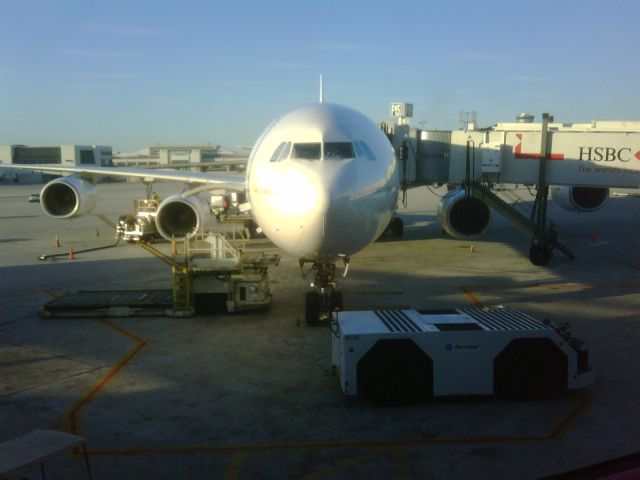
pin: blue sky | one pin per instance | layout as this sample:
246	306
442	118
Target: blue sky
135	73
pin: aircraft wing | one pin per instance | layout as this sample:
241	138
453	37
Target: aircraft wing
234	162
216	180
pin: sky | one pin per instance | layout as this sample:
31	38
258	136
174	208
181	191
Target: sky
136	73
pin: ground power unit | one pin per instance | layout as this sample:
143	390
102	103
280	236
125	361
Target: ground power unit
400	356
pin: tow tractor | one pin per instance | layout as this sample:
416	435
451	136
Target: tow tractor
403	356
141	225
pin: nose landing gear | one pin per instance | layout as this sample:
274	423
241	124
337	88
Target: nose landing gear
319	303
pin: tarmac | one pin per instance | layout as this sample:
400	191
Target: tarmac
253	395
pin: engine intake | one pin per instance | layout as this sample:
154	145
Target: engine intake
180	216
67	197
463	216
580	199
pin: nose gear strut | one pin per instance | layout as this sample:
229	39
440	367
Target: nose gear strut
319	303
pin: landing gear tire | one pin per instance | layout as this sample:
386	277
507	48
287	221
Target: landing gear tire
254	229
312	307
336	301
530	369
397	227
539	254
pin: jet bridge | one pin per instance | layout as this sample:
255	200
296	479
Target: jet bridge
576	163
601	154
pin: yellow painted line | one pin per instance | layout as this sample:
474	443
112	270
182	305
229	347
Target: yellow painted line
564	424
557	431
124	332
46	291
370	293
71	418
403	472
204	449
470	296
557	286
106	220
551	286
235	465
376	307
345	464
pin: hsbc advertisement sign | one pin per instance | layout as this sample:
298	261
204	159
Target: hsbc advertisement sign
586	153
609	159
607	154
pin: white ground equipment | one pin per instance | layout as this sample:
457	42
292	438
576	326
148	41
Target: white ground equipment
141	225
221	272
401	356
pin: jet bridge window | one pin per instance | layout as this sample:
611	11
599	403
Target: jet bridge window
306	151
338	150
363	150
282	152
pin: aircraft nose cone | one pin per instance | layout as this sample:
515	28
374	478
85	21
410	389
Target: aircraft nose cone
305	195
294	208
340	216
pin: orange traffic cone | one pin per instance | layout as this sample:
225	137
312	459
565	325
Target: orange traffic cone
97	232
72	255
56	242
472	249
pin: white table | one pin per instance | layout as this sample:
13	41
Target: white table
35	447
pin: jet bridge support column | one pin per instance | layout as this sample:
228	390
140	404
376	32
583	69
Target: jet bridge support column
544	240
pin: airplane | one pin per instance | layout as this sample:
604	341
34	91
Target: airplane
322	182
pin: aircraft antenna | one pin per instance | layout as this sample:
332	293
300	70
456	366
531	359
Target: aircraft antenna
321	90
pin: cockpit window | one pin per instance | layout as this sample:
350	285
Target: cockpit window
338	150
306	151
277	152
282	152
363	150
285	152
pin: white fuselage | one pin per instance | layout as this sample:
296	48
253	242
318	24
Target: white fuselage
322	182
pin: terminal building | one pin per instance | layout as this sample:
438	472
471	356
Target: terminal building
167	155
96	155
103	156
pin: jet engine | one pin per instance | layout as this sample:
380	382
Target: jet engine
580	199
463	216
179	216
67	197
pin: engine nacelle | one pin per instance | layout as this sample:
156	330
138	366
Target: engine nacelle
180	216
580	199
462	216
67	197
